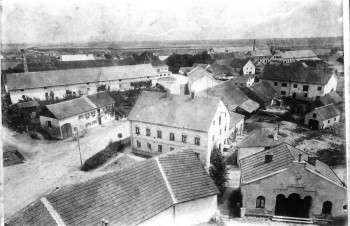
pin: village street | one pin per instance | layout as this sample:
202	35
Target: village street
51	164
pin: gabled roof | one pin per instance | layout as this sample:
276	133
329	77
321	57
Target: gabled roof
39	79
80	105
249	106
330	98
260	138
148	57
254	168
228	93
327	111
218	69
297	72
196	74
172	110
264	91
126	197
239	63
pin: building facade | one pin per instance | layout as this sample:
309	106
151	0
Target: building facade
322	117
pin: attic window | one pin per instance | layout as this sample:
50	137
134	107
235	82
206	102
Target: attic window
22	90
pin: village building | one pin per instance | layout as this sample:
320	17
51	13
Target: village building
262	56
263	93
244	66
259	67
322	117
78	81
63	119
159	66
28	107
172	189
236	126
161	122
330	98
243	80
285	57
175	84
222	70
299	81
231	49
199	79
77	57
285	181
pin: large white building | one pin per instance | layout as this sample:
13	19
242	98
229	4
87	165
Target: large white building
292	56
78	81
299	81
162	122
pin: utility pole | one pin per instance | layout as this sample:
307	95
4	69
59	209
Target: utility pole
81	161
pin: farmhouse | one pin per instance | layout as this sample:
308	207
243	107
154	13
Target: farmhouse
172	189
78	81
322	117
243	80
63	119
244	66
162	122
263	93
286	181
299	81
199	79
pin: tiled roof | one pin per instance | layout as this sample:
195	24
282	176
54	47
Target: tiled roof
258	53
101	99
286	55
263	90
327	111
179	111
38	79
296	72
249	106
228	92
218	69
330	98
239	63
187	177
253	167
129	196
33	214
28	104
260	138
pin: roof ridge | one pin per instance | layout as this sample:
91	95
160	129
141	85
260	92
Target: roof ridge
89	101
53	213
165	178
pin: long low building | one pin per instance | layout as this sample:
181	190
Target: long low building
78	81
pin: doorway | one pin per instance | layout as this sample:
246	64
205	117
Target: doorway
313	124
294	95
66	130
99	116
293	206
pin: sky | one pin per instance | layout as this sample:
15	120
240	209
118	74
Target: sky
83	21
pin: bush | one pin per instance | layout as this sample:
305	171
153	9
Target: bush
334	156
218	170
101	157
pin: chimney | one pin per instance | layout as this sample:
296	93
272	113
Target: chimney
192	94
312	160
24	61
275	134
254	45
268	156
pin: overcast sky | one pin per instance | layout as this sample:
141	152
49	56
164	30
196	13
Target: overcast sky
53	21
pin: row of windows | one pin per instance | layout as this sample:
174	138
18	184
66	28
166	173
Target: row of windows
87	115
149	146
305	87
171	136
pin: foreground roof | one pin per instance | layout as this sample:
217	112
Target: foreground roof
254	168
126	197
328	111
228	93
39	79
179	111
330	98
297	72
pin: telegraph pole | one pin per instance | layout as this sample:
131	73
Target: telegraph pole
81	161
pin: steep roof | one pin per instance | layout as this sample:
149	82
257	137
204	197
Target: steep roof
101	99
196	74
327	111
330	98
253	167
263	90
179	111
297	72
129	196
239	63
228	93
39	79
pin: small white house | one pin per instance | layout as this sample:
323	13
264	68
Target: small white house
63	119
199	79
244	66
322	117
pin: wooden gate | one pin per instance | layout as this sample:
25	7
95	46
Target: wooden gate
66	130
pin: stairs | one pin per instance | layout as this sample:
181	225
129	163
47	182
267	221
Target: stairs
292	219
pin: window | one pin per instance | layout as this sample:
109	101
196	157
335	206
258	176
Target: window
242	84
81	117
235	83
159	134
319	88
172	149
93	113
88	124
327	207
295	85
148	132
137	130
219	120
23	90
87	83
213	137
329	121
94	122
120	80
225	127
275	83
260	202
305	88
138	144
45	87
87	115
220	132
305	95
160	148
283	92
284	84
214	123
172	136
335	119
149	146
314	115
197	141
48	124
184	138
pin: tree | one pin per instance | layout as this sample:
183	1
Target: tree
218	169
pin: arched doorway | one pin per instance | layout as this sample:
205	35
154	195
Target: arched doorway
66	130
327	207
293	206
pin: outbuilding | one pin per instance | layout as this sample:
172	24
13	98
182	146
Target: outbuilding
322	117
